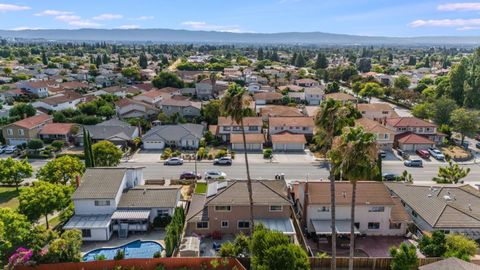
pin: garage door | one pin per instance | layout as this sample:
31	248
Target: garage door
250	146
16	142
279	147
295	147
153	145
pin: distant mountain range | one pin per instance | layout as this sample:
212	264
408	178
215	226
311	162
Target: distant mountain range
187	36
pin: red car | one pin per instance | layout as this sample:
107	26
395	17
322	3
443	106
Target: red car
423	153
190	176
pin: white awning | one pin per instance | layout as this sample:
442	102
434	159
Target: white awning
131	214
88	222
284	225
324	226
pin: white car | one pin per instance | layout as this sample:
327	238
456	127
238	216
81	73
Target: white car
215	175
173	161
3	148
10	149
436	153
223	161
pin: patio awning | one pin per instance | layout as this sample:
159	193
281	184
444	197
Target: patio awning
324	226
88	222
131	214
284	225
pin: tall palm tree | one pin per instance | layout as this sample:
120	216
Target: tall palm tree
236	106
331	119
213	80
354	154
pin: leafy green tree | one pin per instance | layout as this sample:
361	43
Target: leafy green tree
142	61
434	246
44	58
235	106
321	62
22	110
465	122
42	199
211	111
167	79
404	257
300	60
457	77
87	149
412	60
62	170
67	248
35	144
459	246
451	174
442	109
131	73
14	172
371	89
421	110
106	154
364	65
333	87
106	111
402	82
16	230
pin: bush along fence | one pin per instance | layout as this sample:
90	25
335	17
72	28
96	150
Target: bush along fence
174	231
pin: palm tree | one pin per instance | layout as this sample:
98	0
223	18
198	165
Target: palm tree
213	81
354	155
330	120
236	106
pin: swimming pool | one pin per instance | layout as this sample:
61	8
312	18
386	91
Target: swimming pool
135	249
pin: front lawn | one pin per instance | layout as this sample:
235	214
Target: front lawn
8	197
201	188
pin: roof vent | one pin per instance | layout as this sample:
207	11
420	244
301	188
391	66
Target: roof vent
429	195
447	198
344	194
470	206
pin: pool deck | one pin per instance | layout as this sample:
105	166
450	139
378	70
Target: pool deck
157	236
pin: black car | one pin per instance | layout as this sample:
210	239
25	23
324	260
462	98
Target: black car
477	145
382	154
190	176
389	177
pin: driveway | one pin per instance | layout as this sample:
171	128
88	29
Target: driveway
147	156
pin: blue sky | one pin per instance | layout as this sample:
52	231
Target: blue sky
359	17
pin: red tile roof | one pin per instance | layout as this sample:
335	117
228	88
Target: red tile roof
287	137
33	121
56	128
250	138
412	138
247	121
408	122
268	96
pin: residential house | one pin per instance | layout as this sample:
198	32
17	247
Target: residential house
224	208
204	89
447	208
342	97
186	136
291	88
129	108
376	211
417	126
74	85
185	108
297	125
57	131
115	200
263	98
226	126
307	83
254	141
384	135
152	97
313	95
25	130
288	142
66	100
450	264
279	111
296	97
114	131
376	111
38	88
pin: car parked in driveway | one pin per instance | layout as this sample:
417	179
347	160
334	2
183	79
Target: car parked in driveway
2	148
173	161
389	177
382	154
434	152
423	153
189	175
403	154
477	145
413	163
10	149
215	175
223	161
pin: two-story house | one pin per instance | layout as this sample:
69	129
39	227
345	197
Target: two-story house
384	135
152	97
25	130
376	111
263	98
129	108
66	100
185	108
413	133
227	126
115	199
376	212
314	95
38	88
224	208
296	125
204	89
307	83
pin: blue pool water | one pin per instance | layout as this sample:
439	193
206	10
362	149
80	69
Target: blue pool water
135	249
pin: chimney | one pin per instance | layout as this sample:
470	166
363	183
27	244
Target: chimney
77	181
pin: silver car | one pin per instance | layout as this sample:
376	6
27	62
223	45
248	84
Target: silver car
173	161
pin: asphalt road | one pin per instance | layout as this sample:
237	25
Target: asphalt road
294	171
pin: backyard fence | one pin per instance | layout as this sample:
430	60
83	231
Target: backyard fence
362	263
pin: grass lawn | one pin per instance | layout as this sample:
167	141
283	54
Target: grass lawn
201	188
8	197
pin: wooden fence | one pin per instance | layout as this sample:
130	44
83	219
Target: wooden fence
361	263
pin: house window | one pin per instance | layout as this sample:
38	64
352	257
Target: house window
227	128
21	132
10	131
86	233
244	224
102	203
384	112
324	209
253	128
374	225
276	208
202	225
357	225
224	224
222	208
414	214
162	212
385	136
395	226
377	209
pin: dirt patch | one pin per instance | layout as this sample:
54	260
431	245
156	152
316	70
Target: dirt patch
456	152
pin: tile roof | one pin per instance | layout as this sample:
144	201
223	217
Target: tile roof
374	107
249	137
150	197
247	121
408	122
451	263
291	87
180	103
268	96
100	183
33	121
67	96
174	132
412	138
442	206
339	96
280	111
287	121
56	128
287	137
127	101
373	126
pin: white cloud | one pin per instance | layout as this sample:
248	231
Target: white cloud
84	23
10	7
195	25
143	18
446	23
129	26
68	18
107	17
467	28
51	12
459	7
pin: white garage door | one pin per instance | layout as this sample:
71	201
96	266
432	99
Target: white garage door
153	145
16	142
250	146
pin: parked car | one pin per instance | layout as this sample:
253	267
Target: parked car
434	152
215	175
403	154
189	175
477	137
423	153
389	177
413	163
382	154
477	145
173	161
10	149
223	161
2	148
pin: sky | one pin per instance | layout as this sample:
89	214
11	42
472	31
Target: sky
357	17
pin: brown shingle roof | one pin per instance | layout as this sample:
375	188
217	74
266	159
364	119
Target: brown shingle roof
100	183
280	111
339	96
408	122
268	96
287	137
250	138
450	264
373	126
412	138
247	121
375	107
149	197
56	128
288	121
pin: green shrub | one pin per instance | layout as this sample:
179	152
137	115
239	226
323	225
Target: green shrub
167	153
210	156
120	255
58	145
162	221
177	153
232	154
157	254
35	144
267	153
100	257
221	153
